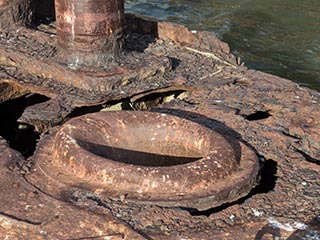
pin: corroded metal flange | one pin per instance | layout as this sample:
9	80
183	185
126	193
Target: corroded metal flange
144	157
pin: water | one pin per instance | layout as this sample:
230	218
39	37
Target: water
278	37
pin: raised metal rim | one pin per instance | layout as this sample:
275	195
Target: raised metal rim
207	192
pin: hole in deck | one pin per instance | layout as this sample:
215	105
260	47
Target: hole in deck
259	115
268	177
21	137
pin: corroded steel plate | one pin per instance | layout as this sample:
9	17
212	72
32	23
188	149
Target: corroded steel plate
144	157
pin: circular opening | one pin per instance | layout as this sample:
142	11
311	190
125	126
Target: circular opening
144	157
144	146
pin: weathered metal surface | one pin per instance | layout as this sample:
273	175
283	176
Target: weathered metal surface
103	80
27	213
10	90
89	31
276	117
28	59
25	12
150	158
16	12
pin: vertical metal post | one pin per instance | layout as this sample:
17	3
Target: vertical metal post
89	31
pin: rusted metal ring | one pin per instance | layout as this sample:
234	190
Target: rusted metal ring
147	157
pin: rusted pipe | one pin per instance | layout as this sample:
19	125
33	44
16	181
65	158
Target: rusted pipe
88	31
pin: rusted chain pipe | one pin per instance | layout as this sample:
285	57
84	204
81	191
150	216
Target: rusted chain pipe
89	31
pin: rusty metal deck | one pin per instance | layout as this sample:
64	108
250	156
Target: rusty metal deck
276	117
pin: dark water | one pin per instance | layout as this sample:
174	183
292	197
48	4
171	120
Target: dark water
281	37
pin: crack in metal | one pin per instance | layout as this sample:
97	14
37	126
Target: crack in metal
307	157
15	218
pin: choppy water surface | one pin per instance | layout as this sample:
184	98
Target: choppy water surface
279	37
